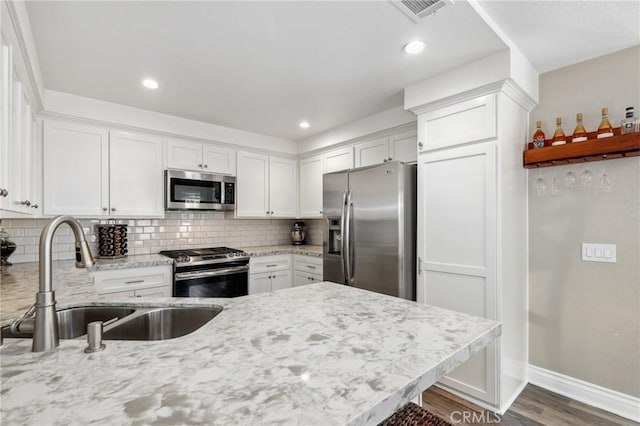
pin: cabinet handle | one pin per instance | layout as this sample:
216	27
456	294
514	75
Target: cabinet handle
419	265
113	209
267	213
200	165
104	209
138	295
384	161
311	267
271	213
420	144
390	158
35	206
134	282
26	203
3	192
272	266
206	166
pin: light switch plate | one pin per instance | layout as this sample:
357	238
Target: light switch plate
593	252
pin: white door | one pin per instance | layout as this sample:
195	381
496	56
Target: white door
5	136
218	160
136	184
259	283
402	147
457	226
252	183
339	159
184	155
311	187
281	279
372	152
76	169
283	187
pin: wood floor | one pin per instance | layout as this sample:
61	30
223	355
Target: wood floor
534	406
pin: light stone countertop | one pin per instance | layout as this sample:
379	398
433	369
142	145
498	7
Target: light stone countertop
134	261
307	250
316	354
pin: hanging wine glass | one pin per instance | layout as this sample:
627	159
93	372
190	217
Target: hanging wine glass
585	178
604	185
541	187
569	180
555	187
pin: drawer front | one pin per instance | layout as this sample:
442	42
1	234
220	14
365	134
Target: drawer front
307	264
258	264
164	291
132	279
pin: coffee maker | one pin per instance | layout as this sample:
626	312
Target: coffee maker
298	232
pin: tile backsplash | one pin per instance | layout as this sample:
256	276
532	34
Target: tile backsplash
177	230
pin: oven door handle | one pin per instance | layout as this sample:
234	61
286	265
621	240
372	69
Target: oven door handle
182	276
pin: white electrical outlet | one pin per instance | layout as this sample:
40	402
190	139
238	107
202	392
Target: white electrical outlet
593	252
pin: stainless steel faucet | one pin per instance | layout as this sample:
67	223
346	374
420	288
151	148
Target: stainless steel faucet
45	332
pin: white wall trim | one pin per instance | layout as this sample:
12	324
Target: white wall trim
615	402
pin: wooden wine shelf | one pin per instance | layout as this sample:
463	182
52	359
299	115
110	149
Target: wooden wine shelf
617	146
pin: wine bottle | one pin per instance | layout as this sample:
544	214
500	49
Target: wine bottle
538	136
630	124
579	134
605	130
559	137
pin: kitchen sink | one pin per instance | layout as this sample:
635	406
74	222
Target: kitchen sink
128	323
73	322
162	324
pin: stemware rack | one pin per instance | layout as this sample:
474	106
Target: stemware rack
593	149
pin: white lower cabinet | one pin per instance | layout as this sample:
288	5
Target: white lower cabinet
151	281
270	273
306	269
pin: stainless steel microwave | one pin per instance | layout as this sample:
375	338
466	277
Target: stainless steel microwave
186	190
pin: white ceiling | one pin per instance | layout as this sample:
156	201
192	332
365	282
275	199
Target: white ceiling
554	34
264	66
257	66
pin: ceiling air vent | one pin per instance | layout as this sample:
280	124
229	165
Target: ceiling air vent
419	9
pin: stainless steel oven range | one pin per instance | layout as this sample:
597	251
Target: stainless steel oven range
209	272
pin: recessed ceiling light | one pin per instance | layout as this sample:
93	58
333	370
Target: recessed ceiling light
414	47
304	124
150	84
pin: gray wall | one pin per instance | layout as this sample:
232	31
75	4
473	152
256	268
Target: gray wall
585	316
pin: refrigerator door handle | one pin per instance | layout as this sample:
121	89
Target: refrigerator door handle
347	257
343	237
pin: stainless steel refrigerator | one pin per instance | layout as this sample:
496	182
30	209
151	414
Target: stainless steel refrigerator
369	236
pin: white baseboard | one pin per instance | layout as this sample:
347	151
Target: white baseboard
609	400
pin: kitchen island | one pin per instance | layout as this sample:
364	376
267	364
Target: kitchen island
317	354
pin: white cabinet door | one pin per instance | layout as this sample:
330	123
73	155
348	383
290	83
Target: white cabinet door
457	246
281	279
76	169
372	152
136	175
403	146
260	283
339	159
252	193
311	187
283	190
184	155
302	278
5	135
218	160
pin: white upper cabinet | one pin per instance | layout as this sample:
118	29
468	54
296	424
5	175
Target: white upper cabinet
88	172
398	147
135	186
403	146
189	155
283	187
76	169
372	152
252	185
339	159
266	186
311	187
